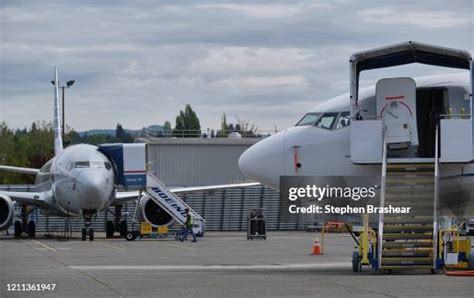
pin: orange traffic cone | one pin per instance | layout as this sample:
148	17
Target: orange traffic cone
316	247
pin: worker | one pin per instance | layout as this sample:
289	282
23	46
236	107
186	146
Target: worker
187	227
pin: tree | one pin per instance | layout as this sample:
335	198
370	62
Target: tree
167	130
72	137
187	124
122	135
224	131
243	127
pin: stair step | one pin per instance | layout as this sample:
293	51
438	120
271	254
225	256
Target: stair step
411	174
407	228
408	219
407	244
418	188
410	196
407	261
403	236
416	205
411	267
402	181
411	167
407	253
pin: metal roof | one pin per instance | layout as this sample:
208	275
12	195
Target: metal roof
199	141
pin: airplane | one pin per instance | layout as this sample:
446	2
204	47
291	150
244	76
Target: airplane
79	181
320	142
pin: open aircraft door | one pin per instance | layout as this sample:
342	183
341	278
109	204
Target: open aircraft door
396	106
393	114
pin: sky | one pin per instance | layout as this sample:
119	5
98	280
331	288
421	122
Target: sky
265	62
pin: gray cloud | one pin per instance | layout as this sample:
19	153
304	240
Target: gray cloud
139	62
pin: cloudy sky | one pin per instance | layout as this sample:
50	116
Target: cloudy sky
140	62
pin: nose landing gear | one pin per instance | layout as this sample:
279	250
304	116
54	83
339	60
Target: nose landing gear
87	230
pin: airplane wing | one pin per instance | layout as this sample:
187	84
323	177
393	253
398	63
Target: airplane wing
29	198
124	196
21	170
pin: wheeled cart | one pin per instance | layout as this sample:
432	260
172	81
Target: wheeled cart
256	223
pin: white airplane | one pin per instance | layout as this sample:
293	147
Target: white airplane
320	143
79	181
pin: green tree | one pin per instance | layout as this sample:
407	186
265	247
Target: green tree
122	135
224	131
187	124
72	137
167	130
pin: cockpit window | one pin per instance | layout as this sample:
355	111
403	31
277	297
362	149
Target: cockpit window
344	120
308	119
82	165
326	121
97	164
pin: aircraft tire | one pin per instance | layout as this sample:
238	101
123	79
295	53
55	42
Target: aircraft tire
131	236
356	265
31	229
17	229
84	234
123	228
91	234
109	229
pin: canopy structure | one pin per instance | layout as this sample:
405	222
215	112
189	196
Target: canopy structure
405	53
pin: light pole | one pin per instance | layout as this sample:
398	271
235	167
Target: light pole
63	122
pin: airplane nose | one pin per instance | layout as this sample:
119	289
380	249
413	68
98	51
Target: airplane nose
264	160
90	187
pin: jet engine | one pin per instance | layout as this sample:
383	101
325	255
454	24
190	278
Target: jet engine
150	211
6	212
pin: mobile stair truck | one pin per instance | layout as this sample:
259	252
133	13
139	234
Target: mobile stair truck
155	203
412	133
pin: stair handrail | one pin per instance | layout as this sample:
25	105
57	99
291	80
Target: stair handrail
436	198
382	198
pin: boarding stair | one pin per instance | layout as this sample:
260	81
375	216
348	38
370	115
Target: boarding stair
409	240
170	202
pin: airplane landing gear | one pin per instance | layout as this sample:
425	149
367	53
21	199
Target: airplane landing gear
87	230
123	228
109	229
24	225
117	225
18	229
31	229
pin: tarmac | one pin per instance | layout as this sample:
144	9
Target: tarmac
222	264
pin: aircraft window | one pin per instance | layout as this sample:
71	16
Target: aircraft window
344	120
97	164
82	164
326	121
108	166
308	119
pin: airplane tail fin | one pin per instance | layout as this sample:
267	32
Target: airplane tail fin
58	139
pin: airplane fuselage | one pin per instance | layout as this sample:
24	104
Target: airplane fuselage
326	152
79	179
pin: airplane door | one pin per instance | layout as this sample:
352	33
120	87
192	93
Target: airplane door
396	106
